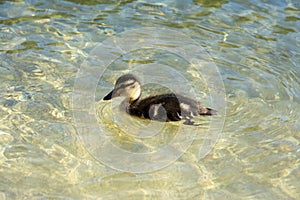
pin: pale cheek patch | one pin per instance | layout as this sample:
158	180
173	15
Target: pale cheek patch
137	93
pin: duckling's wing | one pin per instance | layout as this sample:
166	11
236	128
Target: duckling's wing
169	107
186	108
164	107
192	107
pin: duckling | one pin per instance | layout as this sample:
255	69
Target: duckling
163	107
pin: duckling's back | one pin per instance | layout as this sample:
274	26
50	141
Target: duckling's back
168	107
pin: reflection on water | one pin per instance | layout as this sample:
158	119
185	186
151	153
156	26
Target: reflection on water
255	46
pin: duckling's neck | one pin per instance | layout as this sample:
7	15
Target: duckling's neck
128	103
134	100
136	95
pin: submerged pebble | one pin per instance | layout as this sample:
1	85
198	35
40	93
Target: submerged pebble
38	72
25	96
34	70
19	96
10	102
107	31
17	88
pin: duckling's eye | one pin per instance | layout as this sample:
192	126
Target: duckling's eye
133	86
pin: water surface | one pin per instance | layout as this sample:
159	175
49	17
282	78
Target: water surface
255	46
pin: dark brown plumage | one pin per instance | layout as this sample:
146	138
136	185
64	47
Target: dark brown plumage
163	107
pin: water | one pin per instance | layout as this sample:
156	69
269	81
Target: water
249	58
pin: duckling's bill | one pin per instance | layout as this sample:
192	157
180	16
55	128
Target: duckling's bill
109	96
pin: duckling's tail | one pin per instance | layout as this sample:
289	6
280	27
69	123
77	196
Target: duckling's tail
207	111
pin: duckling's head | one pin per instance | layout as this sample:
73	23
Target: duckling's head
127	86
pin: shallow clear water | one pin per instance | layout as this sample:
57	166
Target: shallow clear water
59	58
